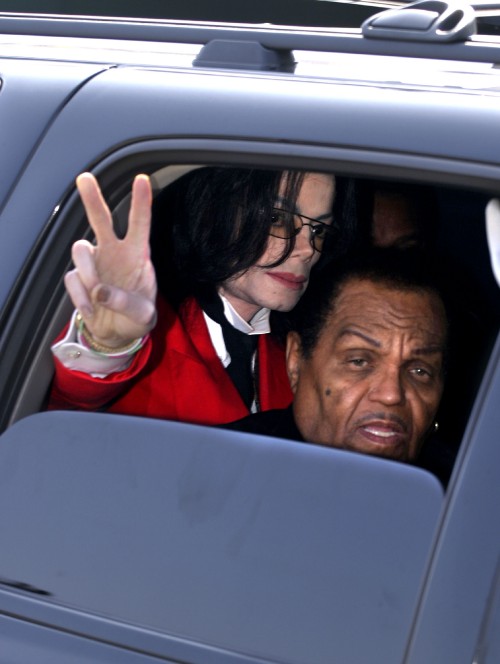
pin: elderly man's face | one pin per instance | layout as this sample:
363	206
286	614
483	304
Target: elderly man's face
374	380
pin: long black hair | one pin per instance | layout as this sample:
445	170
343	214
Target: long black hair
213	223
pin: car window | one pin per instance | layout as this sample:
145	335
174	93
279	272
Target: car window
454	218
311	13
328	13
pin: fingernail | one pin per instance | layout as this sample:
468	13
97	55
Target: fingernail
103	295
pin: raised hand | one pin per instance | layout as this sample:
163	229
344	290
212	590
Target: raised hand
113	284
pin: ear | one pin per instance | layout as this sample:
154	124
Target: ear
293	357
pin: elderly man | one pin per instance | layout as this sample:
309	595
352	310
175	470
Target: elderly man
365	359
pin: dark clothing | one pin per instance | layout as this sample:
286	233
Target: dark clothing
240	346
435	457
438	458
278	423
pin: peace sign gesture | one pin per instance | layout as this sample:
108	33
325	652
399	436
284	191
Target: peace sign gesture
113	284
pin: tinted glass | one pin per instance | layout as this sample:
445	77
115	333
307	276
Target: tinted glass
283	12
257	545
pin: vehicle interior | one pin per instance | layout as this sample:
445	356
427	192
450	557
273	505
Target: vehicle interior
447	220
453	219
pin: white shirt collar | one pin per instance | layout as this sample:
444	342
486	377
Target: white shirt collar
259	324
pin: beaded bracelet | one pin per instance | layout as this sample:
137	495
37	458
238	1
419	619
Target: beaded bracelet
102	349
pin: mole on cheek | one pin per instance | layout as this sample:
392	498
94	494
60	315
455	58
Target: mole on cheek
328	391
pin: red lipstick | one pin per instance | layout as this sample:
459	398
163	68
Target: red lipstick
288	279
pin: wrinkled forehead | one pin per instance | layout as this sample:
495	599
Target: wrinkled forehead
389	307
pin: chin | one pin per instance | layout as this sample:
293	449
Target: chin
393	453
288	305
284	307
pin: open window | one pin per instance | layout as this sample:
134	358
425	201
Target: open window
454	229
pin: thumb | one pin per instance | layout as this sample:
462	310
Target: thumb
133	306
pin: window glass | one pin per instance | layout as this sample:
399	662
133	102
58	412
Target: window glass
267	548
324	13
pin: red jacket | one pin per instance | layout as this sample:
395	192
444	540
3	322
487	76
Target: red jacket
176	376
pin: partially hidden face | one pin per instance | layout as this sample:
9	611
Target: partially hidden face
374	380
394	223
281	287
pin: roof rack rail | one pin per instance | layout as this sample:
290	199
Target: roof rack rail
224	53
281	39
426	20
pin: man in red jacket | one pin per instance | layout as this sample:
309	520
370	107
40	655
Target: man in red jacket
244	245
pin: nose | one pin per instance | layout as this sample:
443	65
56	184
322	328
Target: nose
387	386
304	244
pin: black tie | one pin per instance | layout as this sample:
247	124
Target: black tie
240	346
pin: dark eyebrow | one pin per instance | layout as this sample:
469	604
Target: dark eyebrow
425	350
293	208
348	331
321	217
430	350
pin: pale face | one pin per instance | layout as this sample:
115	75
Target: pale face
281	287
375	378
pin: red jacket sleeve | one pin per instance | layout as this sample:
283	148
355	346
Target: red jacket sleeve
79	390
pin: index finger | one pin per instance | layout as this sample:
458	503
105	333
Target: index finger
98	214
139	222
